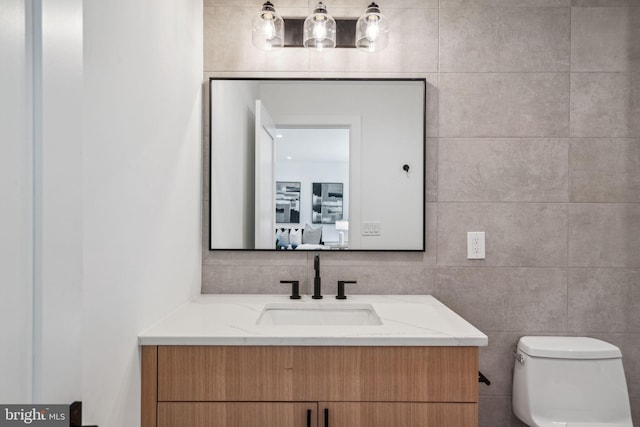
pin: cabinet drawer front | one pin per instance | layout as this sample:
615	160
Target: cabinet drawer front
399	414
208	373
237	414
382	374
387	374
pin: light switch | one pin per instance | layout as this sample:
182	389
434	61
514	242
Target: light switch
371	229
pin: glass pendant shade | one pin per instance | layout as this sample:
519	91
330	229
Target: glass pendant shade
372	30
267	32
319	29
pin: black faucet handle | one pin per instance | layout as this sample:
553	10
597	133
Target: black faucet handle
295	288
341	283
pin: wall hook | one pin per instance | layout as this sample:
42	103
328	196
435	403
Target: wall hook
406	168
483	379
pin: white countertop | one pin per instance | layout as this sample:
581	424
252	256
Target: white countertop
407	320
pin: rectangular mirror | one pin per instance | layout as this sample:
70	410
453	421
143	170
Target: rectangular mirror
317	164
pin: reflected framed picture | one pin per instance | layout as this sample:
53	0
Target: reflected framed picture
326	201
287	202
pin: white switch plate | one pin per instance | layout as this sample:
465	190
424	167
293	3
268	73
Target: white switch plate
475	245
371	229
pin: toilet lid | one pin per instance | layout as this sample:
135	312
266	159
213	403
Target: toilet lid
568	348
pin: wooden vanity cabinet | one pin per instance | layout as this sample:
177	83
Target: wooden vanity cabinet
283	386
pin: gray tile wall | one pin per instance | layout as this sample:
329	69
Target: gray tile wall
533	120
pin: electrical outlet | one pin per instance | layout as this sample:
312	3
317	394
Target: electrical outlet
475	245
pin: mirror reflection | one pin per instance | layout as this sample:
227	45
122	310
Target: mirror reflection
312	166
317	164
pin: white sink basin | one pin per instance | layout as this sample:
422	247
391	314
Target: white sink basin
318	314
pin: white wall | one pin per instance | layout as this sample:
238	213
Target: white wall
141	192
42	210
232	174
16	188
58	201
100	163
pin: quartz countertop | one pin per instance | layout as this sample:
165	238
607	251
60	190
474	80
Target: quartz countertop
407	320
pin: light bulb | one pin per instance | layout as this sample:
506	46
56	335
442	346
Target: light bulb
268	27
320	30
373	29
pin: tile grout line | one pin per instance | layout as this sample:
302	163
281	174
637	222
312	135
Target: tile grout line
568	261
437	159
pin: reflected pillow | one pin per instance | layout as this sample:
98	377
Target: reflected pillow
283	238
312	235
295	237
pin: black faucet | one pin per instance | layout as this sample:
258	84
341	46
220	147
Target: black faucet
317	291
295	288
341	294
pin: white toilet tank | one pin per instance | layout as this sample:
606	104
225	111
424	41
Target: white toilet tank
571	382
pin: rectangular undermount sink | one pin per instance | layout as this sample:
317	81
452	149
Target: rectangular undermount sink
320	314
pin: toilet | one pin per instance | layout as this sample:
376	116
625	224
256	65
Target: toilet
569	382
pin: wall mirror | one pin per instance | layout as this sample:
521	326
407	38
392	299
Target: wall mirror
317	164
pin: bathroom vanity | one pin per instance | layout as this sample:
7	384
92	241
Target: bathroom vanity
263	360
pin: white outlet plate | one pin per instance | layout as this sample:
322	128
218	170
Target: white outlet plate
475	245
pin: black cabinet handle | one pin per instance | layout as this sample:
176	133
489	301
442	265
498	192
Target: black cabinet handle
341	283
308	417
326	417
295	288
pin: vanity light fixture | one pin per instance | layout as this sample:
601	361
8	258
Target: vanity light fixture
320	31
372	30
268	29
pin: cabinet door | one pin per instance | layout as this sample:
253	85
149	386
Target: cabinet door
237	414
394	414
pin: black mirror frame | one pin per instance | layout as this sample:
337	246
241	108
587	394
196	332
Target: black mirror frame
424	157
